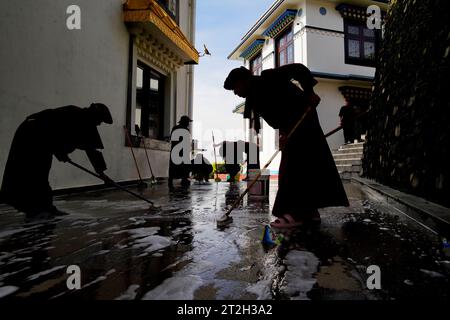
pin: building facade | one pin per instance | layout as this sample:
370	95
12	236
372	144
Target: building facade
332	39
135	56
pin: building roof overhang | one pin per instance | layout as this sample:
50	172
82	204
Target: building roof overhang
239	109
148	20
278	8
253	49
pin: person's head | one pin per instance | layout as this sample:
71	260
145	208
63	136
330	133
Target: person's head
184	121
100	113
239	81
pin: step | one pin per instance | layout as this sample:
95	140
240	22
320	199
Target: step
352	145
430	215
349	175
347	155
352	150
348	168
351	161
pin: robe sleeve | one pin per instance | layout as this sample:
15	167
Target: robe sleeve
97	160
89	138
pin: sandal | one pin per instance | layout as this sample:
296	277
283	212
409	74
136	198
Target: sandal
286	221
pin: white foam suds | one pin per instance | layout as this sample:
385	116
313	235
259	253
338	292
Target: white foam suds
432	274
5	255
43	273
99	253
99	279
7	233
9	274
299	277
130	294
15	260
143	232
261	289
152	243
176	288
111	229
6	291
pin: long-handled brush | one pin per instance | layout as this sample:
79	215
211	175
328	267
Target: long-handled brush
226	219
142	184
139	133
110	181
215	159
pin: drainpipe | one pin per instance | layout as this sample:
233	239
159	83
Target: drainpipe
190	70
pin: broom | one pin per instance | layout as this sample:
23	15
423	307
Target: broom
215	159
142	184
139	133
226	218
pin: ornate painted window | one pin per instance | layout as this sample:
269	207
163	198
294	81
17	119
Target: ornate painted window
285	48
256	65
360	44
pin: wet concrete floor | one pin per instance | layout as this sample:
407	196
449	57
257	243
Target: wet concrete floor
126	251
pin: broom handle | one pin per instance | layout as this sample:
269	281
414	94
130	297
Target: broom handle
236	203
118	186
148	159
127	134
215	156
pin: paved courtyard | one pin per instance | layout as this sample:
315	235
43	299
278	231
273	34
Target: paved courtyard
126	251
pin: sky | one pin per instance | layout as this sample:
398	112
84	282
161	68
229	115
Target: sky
220	25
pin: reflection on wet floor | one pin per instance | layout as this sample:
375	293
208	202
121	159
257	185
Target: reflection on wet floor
126	251
123	250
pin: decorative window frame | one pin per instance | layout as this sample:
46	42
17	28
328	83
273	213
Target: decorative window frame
289	29
356	15
362	61
259	66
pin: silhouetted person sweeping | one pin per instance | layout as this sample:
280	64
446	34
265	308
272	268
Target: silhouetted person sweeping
347	117
232	159
201	168
180	168
308	178
233	154
52	132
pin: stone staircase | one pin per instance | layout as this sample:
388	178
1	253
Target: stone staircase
348	159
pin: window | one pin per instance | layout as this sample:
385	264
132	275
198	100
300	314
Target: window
149	114
360	44
285	48
256	65
171	6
